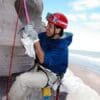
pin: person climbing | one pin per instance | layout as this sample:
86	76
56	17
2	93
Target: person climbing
51	50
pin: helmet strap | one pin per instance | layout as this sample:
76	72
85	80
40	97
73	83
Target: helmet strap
53	33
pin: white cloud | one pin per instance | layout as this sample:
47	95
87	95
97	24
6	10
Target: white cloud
85	25
85	41
94	26
84	4
95	17
88	22
77	17
72	17
91	3
82	17
86	35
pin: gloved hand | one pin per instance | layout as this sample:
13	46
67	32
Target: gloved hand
28	37
29	48
30	32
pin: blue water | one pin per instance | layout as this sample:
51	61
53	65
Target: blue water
88	60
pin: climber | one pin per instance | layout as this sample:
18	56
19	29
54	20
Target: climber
51	49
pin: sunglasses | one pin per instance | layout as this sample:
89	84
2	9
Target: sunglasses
51	18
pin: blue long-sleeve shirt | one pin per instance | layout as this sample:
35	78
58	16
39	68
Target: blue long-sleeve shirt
55	52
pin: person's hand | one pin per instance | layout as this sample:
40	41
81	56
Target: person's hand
28	38
30	32
29	48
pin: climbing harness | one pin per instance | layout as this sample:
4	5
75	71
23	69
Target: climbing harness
51	85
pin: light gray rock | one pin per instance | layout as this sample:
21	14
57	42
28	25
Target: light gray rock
8	17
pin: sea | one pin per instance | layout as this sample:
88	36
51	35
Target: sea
87	59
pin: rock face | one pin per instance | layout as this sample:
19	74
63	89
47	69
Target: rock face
8	16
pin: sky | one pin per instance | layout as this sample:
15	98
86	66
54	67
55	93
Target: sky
84	21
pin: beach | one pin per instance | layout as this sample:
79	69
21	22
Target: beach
90	78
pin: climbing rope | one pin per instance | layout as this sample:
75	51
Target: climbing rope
11	59
12	54
13	45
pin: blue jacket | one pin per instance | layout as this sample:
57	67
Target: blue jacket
56	52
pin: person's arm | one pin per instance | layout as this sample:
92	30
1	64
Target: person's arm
33	35
39	52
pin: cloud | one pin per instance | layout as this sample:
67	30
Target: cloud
85	38
84	4
76	17
95	17
89	21
85	24
72	17
94	26
94	22
81	16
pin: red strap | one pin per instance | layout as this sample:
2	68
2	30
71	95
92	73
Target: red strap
58	93
26	12
12	55
13	46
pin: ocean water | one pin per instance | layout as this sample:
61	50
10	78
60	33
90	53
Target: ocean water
86	59
86	53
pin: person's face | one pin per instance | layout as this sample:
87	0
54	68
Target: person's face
49	29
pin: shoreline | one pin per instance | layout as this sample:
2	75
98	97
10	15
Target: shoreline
90	78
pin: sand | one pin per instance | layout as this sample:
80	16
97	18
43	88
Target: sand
90	78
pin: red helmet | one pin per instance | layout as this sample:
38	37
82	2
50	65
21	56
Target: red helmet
58	19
